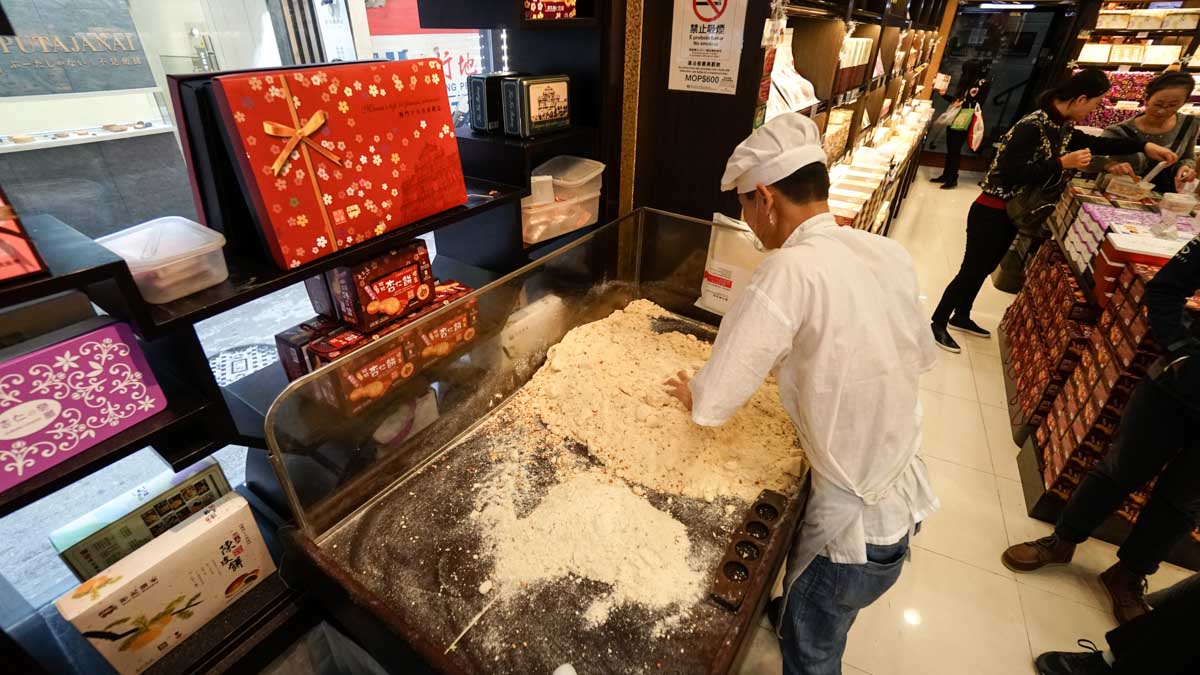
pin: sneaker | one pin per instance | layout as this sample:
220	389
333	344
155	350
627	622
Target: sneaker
1073	663
949	185
942	337
1034	555
969	327
938	179
1127	590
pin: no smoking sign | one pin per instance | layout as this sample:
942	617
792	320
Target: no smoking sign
709	10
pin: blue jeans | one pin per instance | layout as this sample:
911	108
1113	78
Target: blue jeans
824	602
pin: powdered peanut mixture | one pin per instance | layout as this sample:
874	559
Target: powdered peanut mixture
602	386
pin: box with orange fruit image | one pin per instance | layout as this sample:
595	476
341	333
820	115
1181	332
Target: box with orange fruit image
143	606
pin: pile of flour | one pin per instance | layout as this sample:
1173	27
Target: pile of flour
602	386
595	527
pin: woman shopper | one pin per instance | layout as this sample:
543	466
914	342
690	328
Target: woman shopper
1036	152
956	133
1161	123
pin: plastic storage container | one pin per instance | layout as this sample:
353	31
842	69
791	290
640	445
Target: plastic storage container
540	222
574	177
170	257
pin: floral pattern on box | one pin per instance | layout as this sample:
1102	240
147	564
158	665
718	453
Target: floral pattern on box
339	154
60	400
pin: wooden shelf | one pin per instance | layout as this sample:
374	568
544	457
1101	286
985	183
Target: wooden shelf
251	278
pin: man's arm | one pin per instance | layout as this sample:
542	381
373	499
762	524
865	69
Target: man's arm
1166	296
754	336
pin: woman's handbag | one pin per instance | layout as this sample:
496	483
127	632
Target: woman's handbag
947	118
1032	206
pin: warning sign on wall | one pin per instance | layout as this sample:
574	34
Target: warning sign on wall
706	45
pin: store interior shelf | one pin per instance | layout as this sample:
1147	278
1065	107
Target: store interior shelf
815	9
182	412
1045	506
1017	427
251	397
552	138
74	261
1143	33
251	278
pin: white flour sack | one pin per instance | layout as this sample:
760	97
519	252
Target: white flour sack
732	258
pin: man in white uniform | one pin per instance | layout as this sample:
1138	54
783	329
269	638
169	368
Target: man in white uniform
834	314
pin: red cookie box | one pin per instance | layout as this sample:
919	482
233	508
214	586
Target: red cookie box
293	344
332	155
357	381
374	293
459	328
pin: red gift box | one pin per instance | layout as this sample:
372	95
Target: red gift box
18	256
333	155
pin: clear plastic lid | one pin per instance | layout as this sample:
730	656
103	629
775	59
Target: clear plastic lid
569	171
162	241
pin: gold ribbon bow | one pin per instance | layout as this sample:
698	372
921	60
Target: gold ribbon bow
297	136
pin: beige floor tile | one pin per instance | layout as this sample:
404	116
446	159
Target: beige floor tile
953	430
1000	442
763	657
1055	623
989	321
942	617
989	378
848	669
970	526
953	376
1077	581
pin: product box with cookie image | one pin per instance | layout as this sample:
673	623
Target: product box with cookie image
104	535
358	381
142	607
381	290
294	344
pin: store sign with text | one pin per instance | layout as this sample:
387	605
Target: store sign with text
706	45
88	46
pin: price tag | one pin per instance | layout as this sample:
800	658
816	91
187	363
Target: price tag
1125	68
1143	34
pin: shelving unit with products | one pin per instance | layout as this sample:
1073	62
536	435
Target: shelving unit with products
1134	35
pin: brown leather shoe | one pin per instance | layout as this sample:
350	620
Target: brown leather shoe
1034	555
1127	590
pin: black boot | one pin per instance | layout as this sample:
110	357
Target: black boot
942	337
950	184
938	179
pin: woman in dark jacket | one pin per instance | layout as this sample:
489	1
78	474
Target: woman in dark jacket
1038	150
966	100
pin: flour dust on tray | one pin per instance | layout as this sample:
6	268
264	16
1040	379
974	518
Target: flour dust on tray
594	527
602	386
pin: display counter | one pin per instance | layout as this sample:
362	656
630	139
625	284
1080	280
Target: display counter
384	481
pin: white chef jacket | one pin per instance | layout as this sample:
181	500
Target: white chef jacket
835	315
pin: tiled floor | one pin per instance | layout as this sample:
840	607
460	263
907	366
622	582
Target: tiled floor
956	609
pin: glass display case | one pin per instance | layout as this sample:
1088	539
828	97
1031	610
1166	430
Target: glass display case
381	455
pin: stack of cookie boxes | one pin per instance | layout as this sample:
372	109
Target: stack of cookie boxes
1048	326
1085	415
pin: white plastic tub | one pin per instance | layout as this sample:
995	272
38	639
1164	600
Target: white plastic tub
540	222
170	257
574	177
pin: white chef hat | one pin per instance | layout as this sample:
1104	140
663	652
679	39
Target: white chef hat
773	152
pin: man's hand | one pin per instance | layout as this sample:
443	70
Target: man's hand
1080	159
678	388
1120	169
1160	154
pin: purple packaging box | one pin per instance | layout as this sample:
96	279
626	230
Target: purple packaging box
68	390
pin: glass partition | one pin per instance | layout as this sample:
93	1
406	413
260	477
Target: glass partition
343	434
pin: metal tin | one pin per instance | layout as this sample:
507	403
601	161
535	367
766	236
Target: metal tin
534	105
484	99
